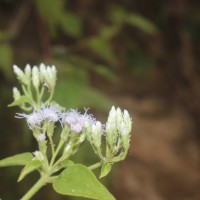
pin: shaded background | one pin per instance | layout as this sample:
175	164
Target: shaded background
140	55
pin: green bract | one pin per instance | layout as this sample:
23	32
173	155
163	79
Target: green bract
51	159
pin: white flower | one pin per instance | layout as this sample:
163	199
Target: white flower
34	119
77	121
50	113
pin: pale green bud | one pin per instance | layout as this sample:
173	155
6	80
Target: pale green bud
43	72
88	130
48	75
35	77
118	129
16	93
127	119
118	116
27	71
111	129
51	75
97	134
125	135
112	114
20	74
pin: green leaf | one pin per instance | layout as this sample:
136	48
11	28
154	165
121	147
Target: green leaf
78	180
6	59
67	163
51	13
85	96
105	72
6	55
33	165
105	170
21	100
102	48
141	23
19	159
71	24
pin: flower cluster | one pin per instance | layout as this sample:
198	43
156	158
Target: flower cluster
38	84
42	74
47	113
72	118
77	121
117	135
118	129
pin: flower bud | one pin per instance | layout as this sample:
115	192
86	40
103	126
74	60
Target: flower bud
97	134
20	74
27	71
16	93
42	72
112	114
118	129
35	77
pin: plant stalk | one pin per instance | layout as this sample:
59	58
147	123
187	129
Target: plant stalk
96	165
38	185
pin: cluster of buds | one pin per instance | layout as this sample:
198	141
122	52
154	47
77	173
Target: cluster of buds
117	135
39	75
38	78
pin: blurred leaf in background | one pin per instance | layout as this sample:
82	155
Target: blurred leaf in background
56	16
6	59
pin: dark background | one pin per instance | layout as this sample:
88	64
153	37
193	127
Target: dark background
140	55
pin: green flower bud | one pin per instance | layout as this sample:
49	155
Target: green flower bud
42	72
48	75
51	76
118	129
20	75
16	93
35	77
97	134
27	71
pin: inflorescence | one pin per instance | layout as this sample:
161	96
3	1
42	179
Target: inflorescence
76	127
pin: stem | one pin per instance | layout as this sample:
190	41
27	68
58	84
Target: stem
52	145
42	92
28	94
29	91
57	151
94	166
50	97
38	97
39	184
